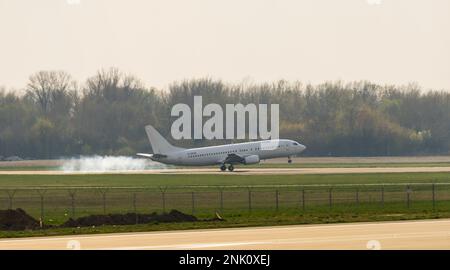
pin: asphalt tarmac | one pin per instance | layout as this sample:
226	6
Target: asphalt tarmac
422	234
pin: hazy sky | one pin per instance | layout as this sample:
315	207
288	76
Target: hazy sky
385	41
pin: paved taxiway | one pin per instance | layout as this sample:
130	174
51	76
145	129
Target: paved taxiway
424	234
249	171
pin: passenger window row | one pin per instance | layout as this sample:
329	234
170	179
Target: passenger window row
222	153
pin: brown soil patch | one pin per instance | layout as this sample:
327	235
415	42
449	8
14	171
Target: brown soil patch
17	220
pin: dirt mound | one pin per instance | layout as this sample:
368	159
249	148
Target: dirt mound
17	220
129	219
172	216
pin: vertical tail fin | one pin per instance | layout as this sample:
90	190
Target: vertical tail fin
159	144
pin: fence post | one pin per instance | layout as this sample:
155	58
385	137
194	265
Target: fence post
249	199
103	193
303	199
433	187
135	208
41	193
193	202
72	201
276	199
330	197
357	196
221	198
408	198
163	195
11	194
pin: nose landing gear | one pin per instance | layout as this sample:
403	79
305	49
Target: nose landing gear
289	160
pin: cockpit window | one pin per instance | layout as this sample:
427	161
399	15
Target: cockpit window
294	143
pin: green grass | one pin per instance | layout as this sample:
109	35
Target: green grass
29	168
226	179
267	217
349	203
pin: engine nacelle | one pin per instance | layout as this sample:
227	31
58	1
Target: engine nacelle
253	159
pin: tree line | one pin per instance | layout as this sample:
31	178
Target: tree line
55	116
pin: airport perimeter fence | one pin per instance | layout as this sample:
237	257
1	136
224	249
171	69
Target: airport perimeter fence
57	204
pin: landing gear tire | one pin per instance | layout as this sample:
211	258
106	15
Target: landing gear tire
231	168
223	168
289	160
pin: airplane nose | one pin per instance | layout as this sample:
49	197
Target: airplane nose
302	147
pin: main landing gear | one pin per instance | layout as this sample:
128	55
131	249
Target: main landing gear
224	167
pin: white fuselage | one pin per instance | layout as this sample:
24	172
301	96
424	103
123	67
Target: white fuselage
213	155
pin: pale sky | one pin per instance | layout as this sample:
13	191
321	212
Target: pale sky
384	41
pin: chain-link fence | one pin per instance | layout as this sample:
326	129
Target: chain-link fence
57	204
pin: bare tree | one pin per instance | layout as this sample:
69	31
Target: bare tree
47	87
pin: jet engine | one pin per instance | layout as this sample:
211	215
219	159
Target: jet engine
253	159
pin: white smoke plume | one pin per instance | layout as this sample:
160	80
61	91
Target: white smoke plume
108	163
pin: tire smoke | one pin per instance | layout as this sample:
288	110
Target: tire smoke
109	163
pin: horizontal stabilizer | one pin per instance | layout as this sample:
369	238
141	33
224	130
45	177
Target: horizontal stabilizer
144	155
151	156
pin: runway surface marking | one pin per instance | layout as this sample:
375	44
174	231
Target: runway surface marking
427	234
248	171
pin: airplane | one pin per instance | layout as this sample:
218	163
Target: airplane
223	155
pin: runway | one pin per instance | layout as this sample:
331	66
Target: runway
248	171
424	234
